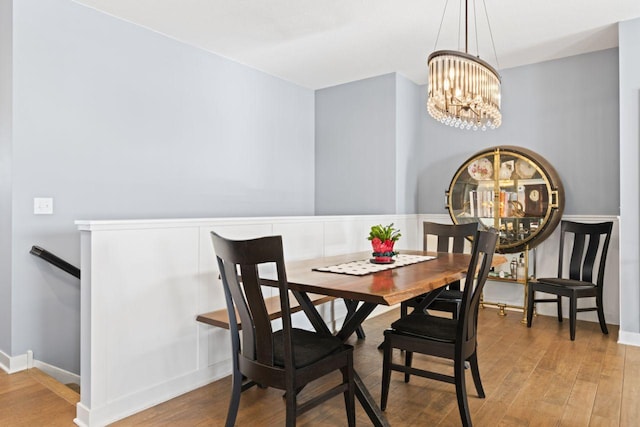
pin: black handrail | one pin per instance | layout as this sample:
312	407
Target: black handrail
55	260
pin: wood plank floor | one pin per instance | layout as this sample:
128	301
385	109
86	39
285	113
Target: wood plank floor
532	377
32	398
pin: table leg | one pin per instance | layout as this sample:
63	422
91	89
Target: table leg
352	306
310	310
351	324
428	299
354	321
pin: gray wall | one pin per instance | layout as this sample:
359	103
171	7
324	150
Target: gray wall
408	119
5	174
629	37
566	110
355	153
115	121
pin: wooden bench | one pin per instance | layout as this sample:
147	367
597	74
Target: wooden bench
220	317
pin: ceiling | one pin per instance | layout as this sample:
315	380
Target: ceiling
321	43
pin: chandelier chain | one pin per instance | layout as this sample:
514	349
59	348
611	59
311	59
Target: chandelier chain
475	25
440	28
460	24
495	54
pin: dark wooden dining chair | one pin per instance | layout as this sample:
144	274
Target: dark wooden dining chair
453	339
286	359
587	244
450	238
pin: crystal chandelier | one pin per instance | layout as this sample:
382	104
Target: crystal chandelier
464	91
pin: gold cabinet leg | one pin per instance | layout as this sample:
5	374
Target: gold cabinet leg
526	292
501	310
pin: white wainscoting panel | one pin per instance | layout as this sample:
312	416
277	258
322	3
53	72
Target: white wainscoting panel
301	239
344	236
144	283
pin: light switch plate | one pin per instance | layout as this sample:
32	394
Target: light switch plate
42	206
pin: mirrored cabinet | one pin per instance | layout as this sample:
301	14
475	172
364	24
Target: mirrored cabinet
515	191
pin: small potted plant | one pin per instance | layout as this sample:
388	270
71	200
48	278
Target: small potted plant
382	240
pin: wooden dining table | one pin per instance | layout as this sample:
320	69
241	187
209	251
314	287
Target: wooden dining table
366	292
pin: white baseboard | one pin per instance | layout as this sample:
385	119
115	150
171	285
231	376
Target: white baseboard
82	415
21	362
140	400
13	364
629	338
60	375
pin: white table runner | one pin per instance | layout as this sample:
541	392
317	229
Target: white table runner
365	266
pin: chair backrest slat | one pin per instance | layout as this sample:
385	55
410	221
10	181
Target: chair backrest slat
577	254
261	324
590	258
233	287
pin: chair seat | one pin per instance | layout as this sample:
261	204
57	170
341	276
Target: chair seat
565	283
426	326
308	347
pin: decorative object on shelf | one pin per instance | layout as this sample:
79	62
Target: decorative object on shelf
516	209
521	272
464	91
525	169
480	169
514	268
382	241
506	169
536	200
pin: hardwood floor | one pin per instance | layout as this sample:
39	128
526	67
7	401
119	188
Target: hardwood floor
532	377
32	398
